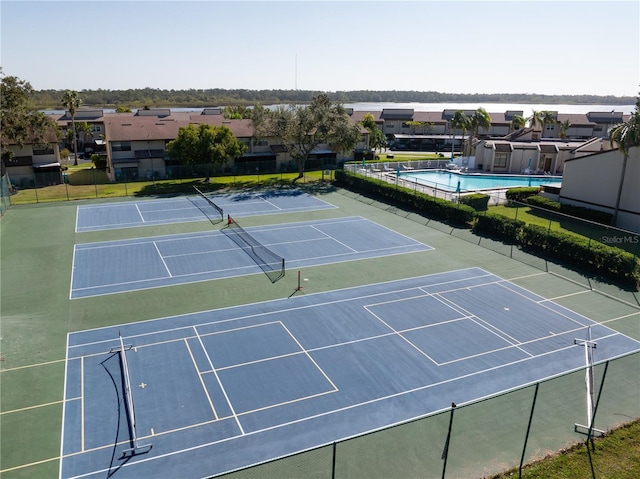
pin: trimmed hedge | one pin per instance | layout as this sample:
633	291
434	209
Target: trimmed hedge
603	260
601	217
613	263
499	227
521	194
427	205
477	201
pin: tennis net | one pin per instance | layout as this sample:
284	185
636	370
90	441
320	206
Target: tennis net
212	211
136	447
269	262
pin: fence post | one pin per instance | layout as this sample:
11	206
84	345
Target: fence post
333	464
526	437
95	181
593	417
445	452
35	187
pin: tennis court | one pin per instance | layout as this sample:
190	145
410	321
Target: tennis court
126	265
223	389
185	209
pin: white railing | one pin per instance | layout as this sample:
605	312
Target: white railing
388	173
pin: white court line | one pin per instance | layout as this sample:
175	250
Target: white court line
162	259
269	202
281	310
73	269
488	326
334	239
77	218
139	212
82	403
200	373
309	356
64	405
350	407
544	300
224	392
396	333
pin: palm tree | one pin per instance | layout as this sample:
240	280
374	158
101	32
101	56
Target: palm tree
85	130
548	118
71	101
517	122
627	136
460	121
479	119
564	127
535	120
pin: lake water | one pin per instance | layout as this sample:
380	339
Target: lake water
490	107
449	180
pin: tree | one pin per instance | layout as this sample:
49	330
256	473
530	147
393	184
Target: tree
626	135
303	128
71	101
425	126
479	119
205	144
460	121
548	118
564	127
517	122
535	120
377	140
369	122
85	131
20	123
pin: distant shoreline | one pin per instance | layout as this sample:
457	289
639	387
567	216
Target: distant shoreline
156	98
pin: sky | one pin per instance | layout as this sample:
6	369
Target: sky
553	48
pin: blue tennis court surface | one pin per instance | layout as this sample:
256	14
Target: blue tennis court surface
126	265
224	389
181	210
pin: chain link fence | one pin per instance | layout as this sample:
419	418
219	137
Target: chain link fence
481	438
92	183
390	172
5	194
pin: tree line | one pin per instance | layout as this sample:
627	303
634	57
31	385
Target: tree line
153	97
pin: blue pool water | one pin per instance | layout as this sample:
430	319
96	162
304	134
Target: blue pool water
448	180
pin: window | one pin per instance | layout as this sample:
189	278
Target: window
96	128
43	150
257	142
550	127
500	160
121	146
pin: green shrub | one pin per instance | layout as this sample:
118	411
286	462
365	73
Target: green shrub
477	201
521	194
429	206
498	226
569	248
543	202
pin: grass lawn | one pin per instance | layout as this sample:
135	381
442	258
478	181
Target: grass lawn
616	455
88	183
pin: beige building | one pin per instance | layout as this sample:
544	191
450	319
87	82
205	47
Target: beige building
593	181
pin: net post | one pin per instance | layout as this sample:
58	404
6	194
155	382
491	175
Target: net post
588	345
299	288
136	447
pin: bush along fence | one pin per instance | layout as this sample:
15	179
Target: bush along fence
584	253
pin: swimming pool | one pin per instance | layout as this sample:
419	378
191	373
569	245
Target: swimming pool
448	180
